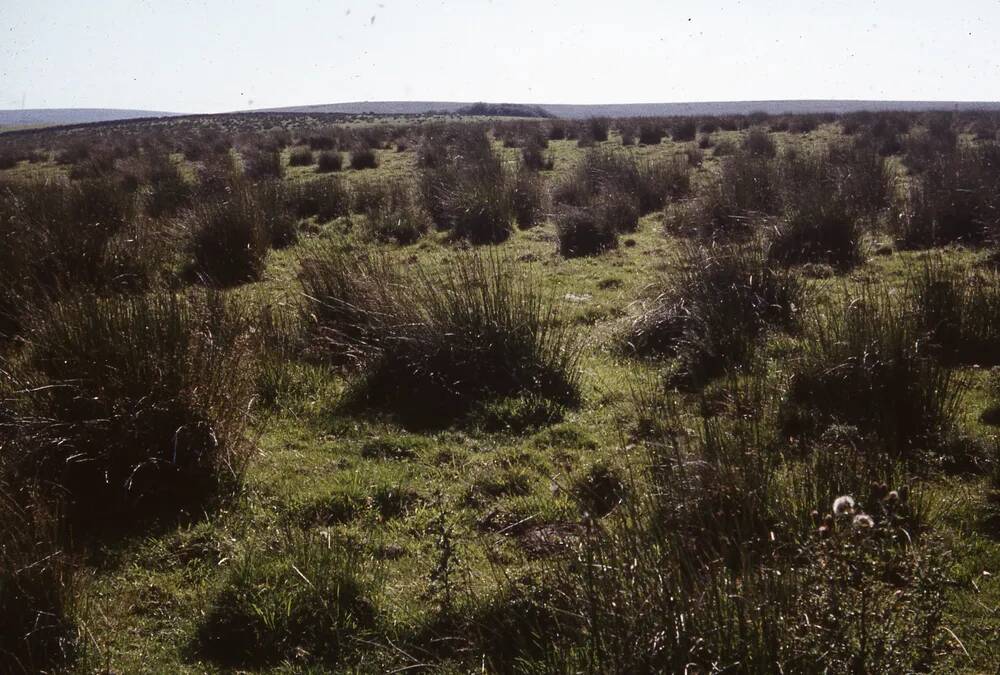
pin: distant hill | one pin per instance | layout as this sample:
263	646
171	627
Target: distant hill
645	109
41	117
60	116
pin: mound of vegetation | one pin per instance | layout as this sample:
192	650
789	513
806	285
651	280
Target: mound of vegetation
714	311
134	405
431	345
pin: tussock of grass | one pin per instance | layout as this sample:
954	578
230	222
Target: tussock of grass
430	346
135	405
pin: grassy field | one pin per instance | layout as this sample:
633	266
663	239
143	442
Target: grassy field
428	432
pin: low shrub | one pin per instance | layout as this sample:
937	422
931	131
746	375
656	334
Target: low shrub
959	309
758	143
583	232
324	198
954	200
259	163
528	199
467	189
684	130
819	222
393	212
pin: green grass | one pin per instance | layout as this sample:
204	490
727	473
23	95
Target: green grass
449	521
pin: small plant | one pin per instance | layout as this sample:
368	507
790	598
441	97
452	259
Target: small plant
261	163
954	200
308	601
583	232
325	198
960	311
758	143
393	211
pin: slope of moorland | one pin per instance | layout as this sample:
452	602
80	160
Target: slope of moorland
298	393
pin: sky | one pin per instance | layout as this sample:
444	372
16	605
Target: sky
222	55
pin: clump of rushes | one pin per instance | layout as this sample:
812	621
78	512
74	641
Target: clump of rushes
263	163
758	143
229	238
466	186
393	212
310	601
954	200
866	365
37	583
583	231
959	308
325	198
363	158
329	161
746	192
136	405
301	156
605	171
430	346
819	222
714	312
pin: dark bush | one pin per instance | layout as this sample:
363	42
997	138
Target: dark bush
324	198
651	132
818	223
959	309
275	200
955	199
758	143
684	130
528	199
261	163
603	171
535	159
329	161
597	128
466	187
393	211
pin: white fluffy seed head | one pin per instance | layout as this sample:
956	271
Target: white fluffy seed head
863	521
843	506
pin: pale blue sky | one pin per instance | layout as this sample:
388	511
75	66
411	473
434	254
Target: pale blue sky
212	56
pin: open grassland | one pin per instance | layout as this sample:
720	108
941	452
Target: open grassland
280	395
